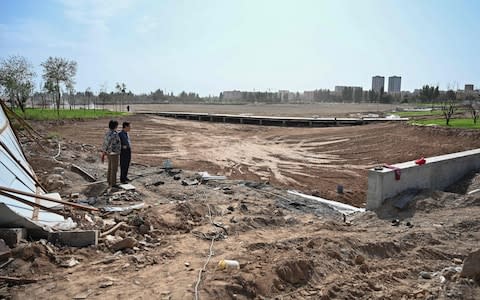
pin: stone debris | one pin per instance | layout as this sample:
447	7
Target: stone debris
126	243
471	266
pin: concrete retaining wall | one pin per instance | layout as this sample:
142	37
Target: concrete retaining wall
438	173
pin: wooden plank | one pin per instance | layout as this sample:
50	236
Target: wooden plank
75	205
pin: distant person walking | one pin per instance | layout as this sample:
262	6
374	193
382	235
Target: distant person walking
111	148
126	153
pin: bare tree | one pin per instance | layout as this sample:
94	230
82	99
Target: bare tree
89	95
121	90
449	106
16	78
474	109
58	72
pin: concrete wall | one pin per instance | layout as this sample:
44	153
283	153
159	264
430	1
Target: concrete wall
438	173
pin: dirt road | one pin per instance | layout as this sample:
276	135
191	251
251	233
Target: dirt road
313	160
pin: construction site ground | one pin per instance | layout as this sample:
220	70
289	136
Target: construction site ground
288	247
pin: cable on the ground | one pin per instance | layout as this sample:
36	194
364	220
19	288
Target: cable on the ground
210	254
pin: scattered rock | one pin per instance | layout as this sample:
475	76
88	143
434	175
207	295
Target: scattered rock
243	208
82	295
58	170
457	261
359	259
395	222
177	177
126	243
426	275
54	181
173	172
374	286
91	159
471	266
227	191
106	284
69	263
187	182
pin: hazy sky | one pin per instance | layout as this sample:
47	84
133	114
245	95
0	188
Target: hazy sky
209	46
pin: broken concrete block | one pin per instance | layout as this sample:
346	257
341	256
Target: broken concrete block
127	187
12	236
74	238
190	182
54	181
5	252
126	243
82	173
471	265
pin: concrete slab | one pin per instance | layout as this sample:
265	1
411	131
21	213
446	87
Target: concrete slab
12	236
127	187
74	238
436	174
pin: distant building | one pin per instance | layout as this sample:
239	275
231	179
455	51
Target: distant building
357	93
378	83
469	88
339	90
394	84
283	95
309	95
232	95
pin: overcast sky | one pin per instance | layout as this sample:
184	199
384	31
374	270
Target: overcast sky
209	46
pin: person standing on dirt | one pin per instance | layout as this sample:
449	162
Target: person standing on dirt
111	148
126	153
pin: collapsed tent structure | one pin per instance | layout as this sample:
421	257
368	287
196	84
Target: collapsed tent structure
24	203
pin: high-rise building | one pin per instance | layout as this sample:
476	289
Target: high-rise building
378	83
469	88
394	84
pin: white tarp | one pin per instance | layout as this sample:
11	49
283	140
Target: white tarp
338	206
12	175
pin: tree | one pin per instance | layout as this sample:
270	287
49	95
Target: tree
429	93
474	109
16	78
58	72
449	106
121	90
89	95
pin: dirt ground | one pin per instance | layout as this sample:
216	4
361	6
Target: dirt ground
287	247
292	110
312	160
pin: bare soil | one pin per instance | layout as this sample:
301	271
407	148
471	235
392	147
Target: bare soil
293	110
287	247
312	160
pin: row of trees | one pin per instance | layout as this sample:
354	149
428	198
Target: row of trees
449	104
17	78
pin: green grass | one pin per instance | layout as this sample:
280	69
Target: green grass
418	113
454	123
51	114
425	113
